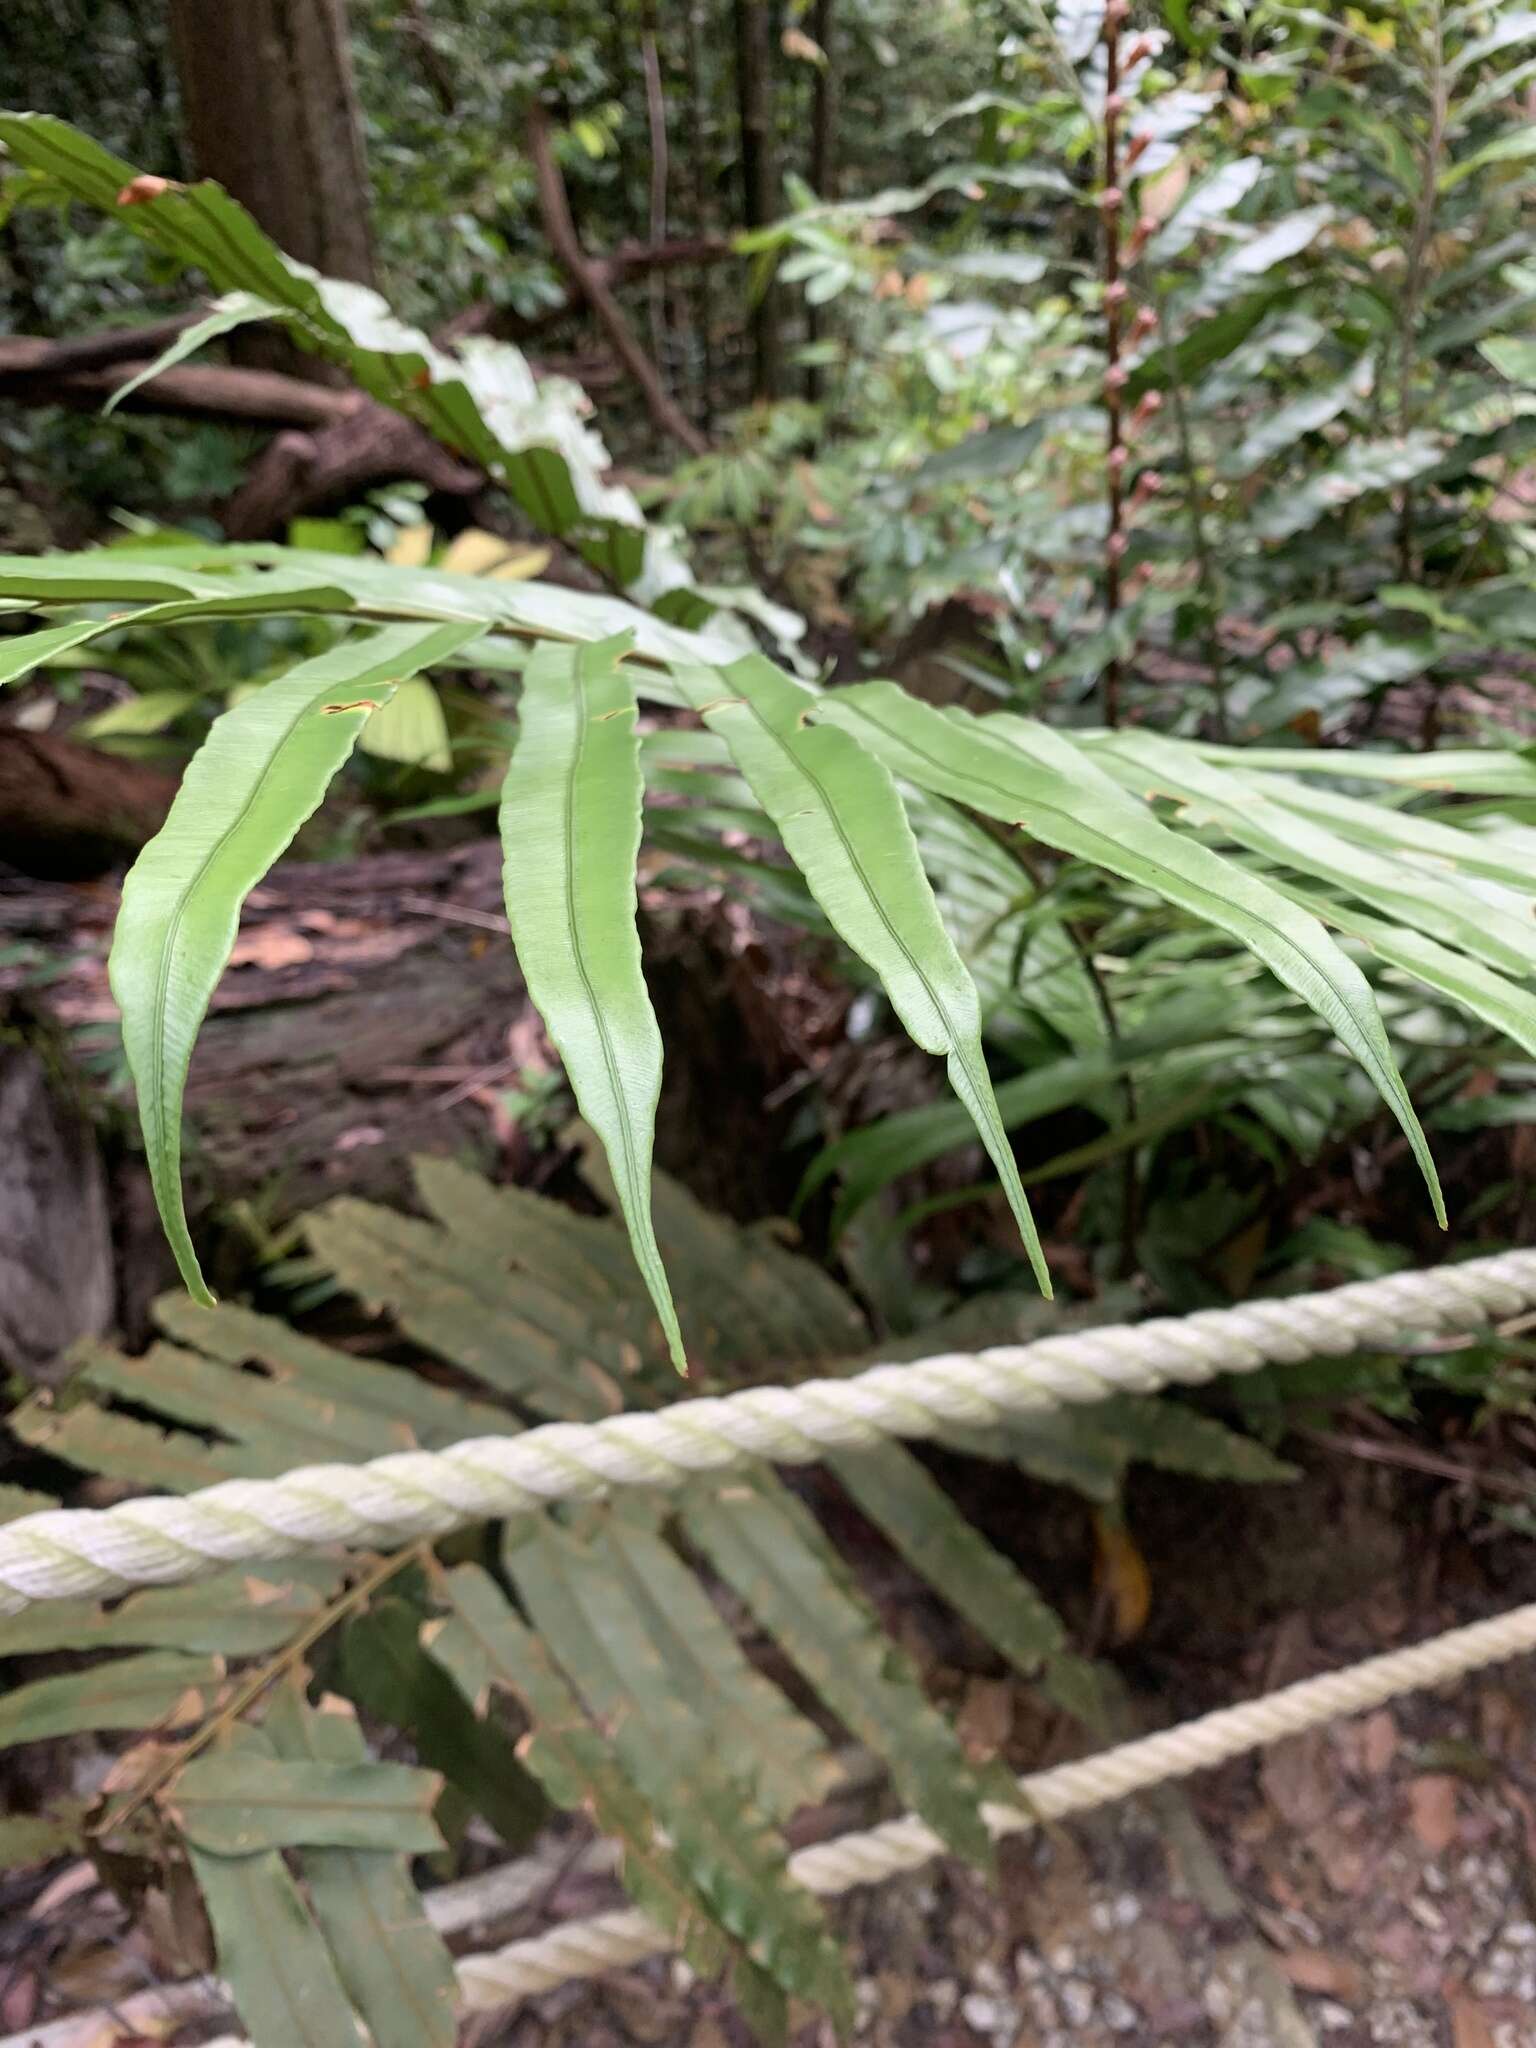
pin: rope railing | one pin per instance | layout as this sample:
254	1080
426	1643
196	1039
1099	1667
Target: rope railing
610	1941
159	1540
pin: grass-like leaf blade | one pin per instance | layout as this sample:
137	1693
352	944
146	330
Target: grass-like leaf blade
570	830
263	769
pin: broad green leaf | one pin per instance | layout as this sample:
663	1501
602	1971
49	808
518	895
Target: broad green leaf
923	1523
215	579
1512	355
1363	467
1339	680
417	1412
1051	788
235	309
178	578
1467	771
1206	203
663	1738
1516	26
235	1804
1234	272
1279	430
481	399
262	770
20	653
158	1690
842	822
1513	146
484	1644
389	1957
137	716
995	451
386	1671
570	829
271	1954
1478	989
1399	832
233	1614
770	1549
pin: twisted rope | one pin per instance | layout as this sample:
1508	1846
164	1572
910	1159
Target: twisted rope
66	1553
582	1948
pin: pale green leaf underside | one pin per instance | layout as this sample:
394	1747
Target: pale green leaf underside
570	830
261	772
843	823
235	309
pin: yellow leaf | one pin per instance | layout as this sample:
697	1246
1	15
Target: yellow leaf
478	553
1120	1574
412	548
530	562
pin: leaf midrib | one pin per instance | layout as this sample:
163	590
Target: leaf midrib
871	894
157	1050
637	1193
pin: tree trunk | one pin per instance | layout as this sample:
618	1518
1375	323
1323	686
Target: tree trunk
271	112
69	811
759	175
823	165
702	195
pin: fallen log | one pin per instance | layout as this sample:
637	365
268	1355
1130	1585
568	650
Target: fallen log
68	812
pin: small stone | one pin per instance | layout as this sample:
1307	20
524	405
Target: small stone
1077	2001
1127	1910
1331	2015
1119	2015
1062	1958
